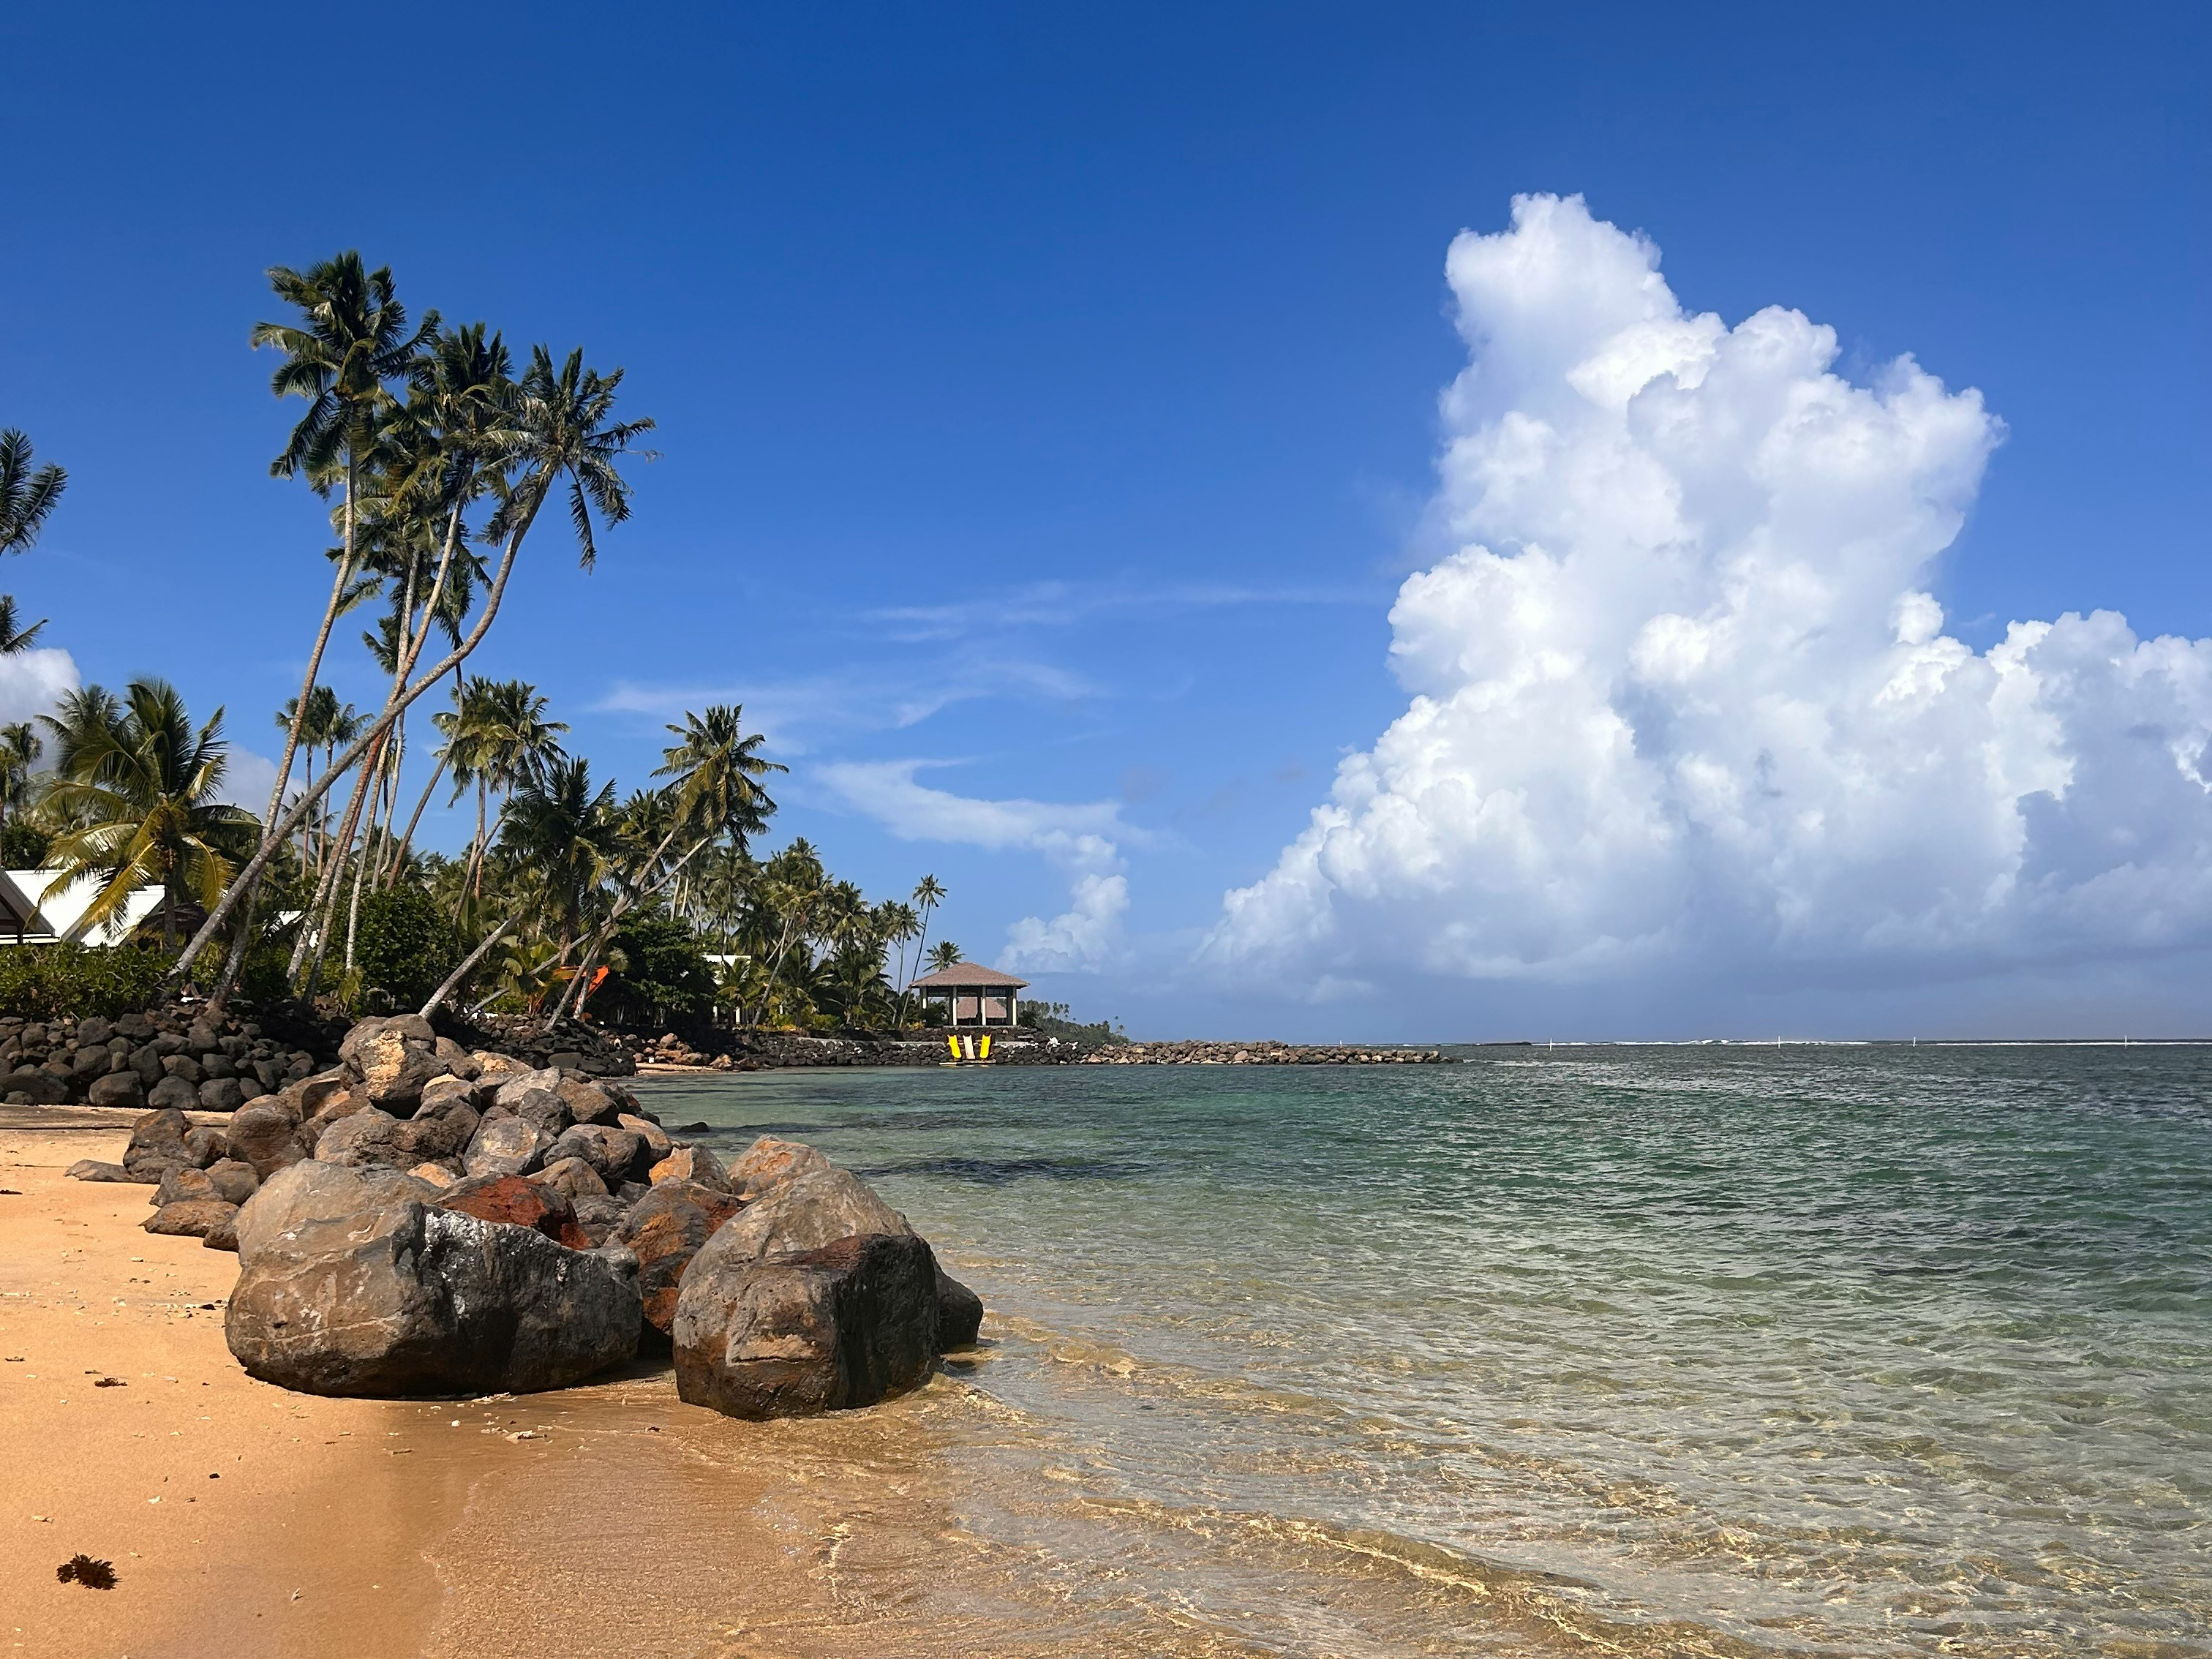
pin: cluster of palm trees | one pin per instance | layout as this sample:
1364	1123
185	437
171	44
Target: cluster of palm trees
437	453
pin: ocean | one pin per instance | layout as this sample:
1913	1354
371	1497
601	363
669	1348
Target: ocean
1851	1351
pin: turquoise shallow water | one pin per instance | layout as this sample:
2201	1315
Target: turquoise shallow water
1848	1351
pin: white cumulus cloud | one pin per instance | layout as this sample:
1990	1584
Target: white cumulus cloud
1081	837
32	681
1680	697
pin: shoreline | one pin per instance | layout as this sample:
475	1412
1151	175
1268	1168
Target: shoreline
243	1518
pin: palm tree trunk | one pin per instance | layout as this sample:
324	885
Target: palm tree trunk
362	746
391	879
468	965
341	854
315	658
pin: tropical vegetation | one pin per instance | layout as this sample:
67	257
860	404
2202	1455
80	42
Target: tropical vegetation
438	450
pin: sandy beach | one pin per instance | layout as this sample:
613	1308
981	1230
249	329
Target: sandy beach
247	1520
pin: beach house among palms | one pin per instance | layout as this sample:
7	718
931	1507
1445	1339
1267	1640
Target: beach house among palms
973	995
28	917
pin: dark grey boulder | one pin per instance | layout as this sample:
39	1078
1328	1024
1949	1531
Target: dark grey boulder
91	1169
222	1094
146	1066
93	1029
600	1217
117	1088
589	1102
363	1138
173	1094
959	1313
186	1066
158	1139
192	1217
369	1293
796	1334
614	1153
37	1085
206	1143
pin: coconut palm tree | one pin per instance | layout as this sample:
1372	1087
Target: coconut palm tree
146	788
928	894
568	835
20	749
560	426
14	638
350	342
714	768
943	955
28	494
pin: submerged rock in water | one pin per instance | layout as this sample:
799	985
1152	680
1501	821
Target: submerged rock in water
350	1284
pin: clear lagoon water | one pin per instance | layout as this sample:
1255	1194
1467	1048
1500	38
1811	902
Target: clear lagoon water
1824	1351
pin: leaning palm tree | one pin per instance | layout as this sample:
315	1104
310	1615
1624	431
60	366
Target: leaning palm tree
350	341
28	494
146	789
561	426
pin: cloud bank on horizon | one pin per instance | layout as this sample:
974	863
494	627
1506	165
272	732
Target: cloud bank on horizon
1681	701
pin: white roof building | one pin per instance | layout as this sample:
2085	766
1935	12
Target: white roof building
27	917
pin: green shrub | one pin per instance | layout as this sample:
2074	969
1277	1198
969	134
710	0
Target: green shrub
44	981
404	945
657	976
22	846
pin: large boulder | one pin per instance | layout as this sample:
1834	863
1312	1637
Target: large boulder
361	1138
440	1129
352	1286
589	1102
664	1230
612	1152
658	1146
157	1143
769	1162
512	1085
506	1146
314	1197
806	1332
389	1060
172	1094
264	1135
806	1212
117	1088
206	1143
37	1085
307	1097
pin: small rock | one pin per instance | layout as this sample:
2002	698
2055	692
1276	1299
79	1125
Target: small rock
89	1169
573	1178
192	1218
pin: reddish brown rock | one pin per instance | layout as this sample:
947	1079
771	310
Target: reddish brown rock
664	1230
520	1203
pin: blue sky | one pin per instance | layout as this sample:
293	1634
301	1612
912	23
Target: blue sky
1049	400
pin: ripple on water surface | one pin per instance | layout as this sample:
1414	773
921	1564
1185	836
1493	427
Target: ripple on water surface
1838	1350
